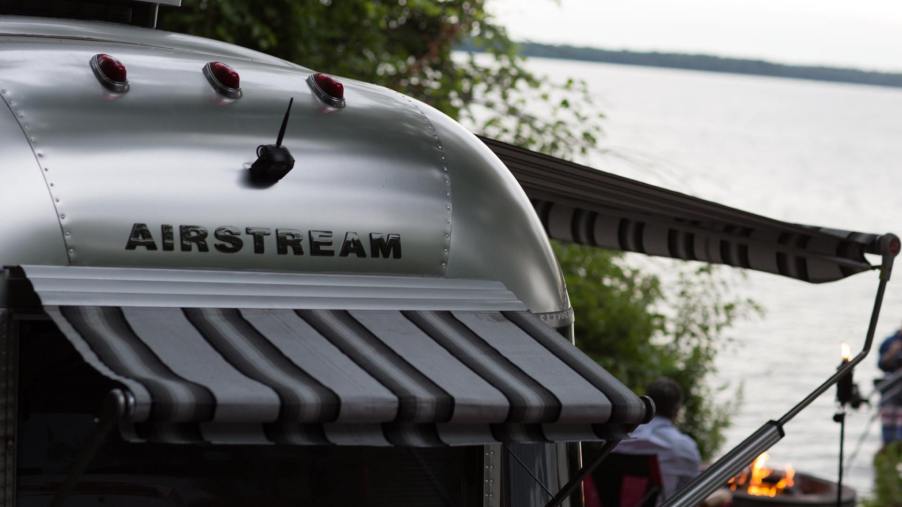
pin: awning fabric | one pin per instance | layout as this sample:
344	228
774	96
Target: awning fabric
584	205
221	366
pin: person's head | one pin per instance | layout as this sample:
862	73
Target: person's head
667	395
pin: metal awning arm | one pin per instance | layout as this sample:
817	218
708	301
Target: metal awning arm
772	432
581	474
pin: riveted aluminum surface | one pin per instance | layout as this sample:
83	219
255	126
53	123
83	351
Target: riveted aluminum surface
173	152
29	228
493	212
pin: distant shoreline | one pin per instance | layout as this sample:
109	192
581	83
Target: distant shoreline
709	63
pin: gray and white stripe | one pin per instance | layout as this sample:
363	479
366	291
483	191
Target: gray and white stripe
361	377
583	205
810	254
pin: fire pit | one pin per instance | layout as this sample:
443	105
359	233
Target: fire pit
760	486
808	490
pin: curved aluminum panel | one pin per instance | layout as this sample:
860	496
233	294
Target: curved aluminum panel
29	227
25	26
496	233
157	176
74	285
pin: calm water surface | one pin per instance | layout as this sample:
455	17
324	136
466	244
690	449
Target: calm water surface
809	152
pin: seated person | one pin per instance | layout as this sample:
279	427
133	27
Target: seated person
677	453
890	361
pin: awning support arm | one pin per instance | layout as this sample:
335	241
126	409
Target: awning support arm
526	469
772	431
114	407
581	474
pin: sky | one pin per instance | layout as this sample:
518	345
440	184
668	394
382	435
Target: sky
849	33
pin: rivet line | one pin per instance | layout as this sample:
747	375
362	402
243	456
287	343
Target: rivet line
440	149
40	158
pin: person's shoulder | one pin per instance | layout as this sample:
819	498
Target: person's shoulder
686	446
679	442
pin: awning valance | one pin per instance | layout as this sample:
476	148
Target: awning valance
220	366
583	205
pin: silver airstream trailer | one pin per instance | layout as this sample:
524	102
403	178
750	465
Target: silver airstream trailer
232	280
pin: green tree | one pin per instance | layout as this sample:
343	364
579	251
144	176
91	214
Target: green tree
408	45
638	331
887	477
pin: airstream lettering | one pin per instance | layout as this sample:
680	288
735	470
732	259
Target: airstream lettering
228	239
230	242
321	243
352	244
288	238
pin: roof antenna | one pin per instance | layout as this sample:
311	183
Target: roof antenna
284	122
274	161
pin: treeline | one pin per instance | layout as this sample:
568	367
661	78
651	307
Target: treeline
711	64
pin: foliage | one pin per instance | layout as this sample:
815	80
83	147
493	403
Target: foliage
407	45
638	331
616	314
887	477
704	307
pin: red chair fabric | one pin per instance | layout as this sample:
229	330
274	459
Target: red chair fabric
623	480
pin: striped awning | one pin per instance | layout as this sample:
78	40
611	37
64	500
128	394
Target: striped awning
584	205
226	357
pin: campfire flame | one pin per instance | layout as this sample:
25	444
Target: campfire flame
761	480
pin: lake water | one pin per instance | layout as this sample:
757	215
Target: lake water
809	152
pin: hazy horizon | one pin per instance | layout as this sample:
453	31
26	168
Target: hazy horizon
711	54
832	33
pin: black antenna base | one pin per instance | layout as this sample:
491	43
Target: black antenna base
274	161
272	164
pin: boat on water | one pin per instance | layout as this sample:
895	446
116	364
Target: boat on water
233	280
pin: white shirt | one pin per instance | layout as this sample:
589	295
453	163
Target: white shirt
677	453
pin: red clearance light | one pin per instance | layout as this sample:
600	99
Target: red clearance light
110	72
330	85
327	89
224	79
